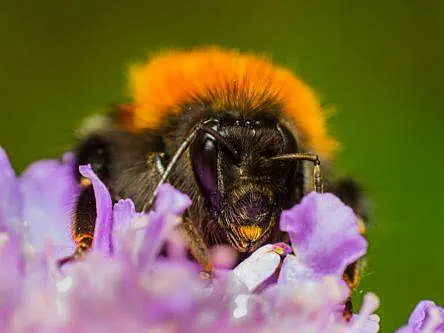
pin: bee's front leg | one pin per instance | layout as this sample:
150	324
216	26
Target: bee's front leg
197	246
352	195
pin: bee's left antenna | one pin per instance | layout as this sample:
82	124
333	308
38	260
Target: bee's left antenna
184	146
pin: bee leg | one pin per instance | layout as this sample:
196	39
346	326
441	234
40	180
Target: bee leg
351	277
348	309
197	246
83	222
82	248
351	194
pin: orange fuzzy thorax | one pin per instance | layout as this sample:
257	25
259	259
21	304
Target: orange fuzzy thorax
228	79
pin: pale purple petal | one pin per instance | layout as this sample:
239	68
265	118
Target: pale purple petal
104	206
123	235
172	287
421	315
176	246
10	197
426	317
155	236
293	271
223	257
366	321
169	205
49	190
371	325
169	200
312	302
11	268
324	233
260	266
124	213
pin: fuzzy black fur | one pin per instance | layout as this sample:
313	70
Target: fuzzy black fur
250	191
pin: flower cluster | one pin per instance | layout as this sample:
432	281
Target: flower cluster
125	285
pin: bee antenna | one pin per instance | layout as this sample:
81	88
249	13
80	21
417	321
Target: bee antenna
178	154
317	180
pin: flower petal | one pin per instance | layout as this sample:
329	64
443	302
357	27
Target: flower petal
124	215
10	197
169	205
366	321
104	206
426	317
11	266
324	233
311	301
169	200
293	271
222	257
49	190
258	267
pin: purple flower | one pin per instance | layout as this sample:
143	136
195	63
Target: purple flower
261	265
427	317
10	197
124	285
11	268
366	321
169	206
39	203
324	235
124	216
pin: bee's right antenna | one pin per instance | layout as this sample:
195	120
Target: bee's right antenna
317	179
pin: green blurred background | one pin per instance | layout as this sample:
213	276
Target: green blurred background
378	62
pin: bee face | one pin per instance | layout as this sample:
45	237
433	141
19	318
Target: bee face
244	191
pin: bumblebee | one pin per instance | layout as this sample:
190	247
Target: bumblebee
235	132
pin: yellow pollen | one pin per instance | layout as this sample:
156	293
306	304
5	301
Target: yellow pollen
279	250
361	226
85	182
83	238
250	232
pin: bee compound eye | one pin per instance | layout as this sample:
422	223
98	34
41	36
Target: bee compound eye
203	153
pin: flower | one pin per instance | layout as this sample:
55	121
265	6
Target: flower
427	317
324	235
10	197
11	271
261	265
125	285
39	203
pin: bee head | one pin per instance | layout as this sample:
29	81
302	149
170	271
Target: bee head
243	188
